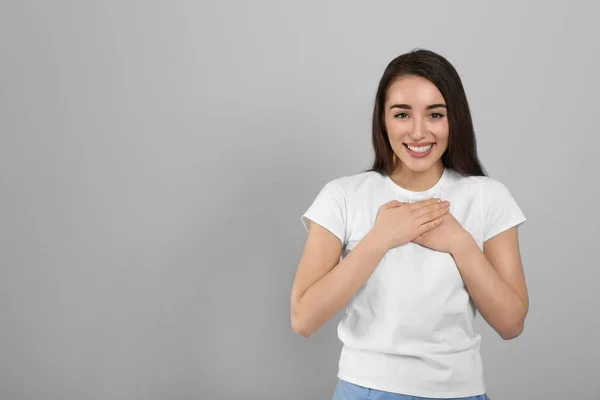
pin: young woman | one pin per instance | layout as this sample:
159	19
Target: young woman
413	247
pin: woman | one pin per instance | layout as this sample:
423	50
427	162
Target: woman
413	247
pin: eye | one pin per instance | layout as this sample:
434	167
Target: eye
401	115
436	115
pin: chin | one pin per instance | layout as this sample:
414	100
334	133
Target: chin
421	165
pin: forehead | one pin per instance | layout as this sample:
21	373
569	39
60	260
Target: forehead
413	90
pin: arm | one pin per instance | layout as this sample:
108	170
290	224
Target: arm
323	285
496	281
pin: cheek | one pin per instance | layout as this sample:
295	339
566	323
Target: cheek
397	131
441	133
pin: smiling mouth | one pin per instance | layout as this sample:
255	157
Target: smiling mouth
419	149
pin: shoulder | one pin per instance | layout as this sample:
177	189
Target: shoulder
487	190
495	197
351	184
488	186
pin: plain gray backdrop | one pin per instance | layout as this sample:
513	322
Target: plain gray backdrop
156	157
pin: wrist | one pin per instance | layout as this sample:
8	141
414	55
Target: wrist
376	241
464	244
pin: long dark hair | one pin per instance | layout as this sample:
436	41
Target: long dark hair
461	154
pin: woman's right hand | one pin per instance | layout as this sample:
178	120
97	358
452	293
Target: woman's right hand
398	223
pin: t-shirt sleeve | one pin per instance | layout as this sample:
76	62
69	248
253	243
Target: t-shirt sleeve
500	209
329	209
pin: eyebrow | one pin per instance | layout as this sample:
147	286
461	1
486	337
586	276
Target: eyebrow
408	107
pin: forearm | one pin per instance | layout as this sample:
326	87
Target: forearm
332	292
497	303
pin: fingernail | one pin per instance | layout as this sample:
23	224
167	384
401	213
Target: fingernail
446	203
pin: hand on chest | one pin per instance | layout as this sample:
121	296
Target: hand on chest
464	208
412	267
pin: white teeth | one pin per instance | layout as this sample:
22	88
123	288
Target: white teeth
420	149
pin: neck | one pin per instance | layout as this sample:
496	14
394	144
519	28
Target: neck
417	181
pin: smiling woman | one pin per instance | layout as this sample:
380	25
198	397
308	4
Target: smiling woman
413	247
415	117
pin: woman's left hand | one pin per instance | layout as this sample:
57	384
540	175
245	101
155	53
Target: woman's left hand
446	237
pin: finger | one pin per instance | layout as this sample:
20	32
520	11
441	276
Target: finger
424	203
429	226
432	215
393	203
429	208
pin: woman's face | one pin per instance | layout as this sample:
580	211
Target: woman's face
417	122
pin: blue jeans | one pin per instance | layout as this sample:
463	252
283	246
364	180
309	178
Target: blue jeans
349	391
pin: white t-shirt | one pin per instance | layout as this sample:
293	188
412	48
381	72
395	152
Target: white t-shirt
409	329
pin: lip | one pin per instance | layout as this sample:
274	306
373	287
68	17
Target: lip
422	144
419	155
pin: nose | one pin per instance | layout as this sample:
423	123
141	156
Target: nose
418	131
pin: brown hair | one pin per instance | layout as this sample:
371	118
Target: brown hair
461	154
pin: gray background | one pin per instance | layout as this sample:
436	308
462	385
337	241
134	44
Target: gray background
155	159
